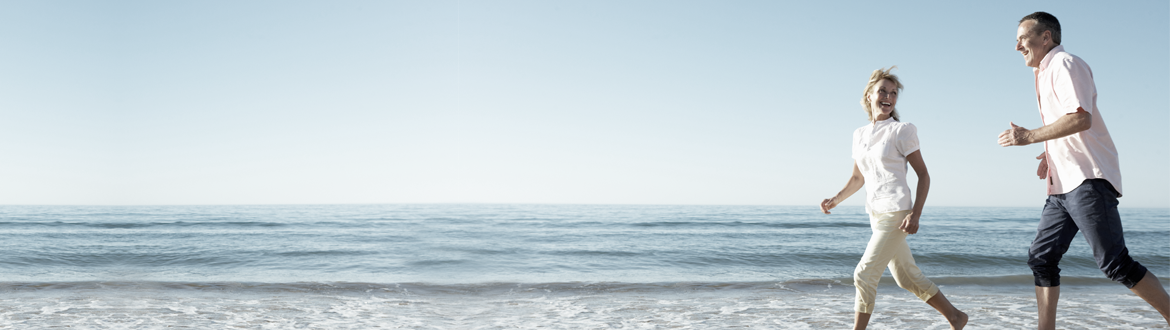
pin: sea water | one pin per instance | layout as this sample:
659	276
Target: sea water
444	266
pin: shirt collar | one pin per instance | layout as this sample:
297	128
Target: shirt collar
883	122
1048	57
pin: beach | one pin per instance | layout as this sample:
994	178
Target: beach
529	266
803	305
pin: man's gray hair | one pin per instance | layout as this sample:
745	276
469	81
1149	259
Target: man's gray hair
1044	22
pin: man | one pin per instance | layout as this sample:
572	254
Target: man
1081	170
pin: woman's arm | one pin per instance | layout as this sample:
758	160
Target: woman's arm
854	184
910	224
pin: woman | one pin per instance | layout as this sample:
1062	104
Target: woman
880	153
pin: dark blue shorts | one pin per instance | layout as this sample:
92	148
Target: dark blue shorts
1091	208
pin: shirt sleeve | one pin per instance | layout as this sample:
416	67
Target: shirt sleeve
1074	87
907	142
856	148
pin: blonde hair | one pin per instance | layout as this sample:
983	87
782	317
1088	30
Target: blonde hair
874	79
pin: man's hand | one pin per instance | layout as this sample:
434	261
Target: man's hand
1066	125
1016	136
910	223
1042	170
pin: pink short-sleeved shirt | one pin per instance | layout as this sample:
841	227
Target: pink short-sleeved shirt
879	151
1064	83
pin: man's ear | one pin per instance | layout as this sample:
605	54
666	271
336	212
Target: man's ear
1047	37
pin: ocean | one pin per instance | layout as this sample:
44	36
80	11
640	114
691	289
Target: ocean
485	266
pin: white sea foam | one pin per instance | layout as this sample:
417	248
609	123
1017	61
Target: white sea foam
528	266
649	306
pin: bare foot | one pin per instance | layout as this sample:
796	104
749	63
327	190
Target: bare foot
959	322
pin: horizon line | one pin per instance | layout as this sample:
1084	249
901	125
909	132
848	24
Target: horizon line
531	203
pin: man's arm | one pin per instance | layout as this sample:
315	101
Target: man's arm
1067	125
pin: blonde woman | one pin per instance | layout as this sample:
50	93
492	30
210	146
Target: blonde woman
881	151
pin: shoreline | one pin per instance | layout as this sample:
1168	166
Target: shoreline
790	305
491	286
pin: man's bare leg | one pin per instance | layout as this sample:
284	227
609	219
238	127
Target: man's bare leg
956	318
1046	298
861	320
1151	290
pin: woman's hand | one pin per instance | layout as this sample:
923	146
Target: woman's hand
828	204
910	224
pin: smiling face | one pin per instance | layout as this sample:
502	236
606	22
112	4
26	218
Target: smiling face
1034	46
882	99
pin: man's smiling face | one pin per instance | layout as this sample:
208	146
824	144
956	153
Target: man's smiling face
1034	46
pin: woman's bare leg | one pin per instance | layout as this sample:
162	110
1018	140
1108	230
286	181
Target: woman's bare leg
860	321
956	318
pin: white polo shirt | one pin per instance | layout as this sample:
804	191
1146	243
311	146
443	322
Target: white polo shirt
879	150
1064	83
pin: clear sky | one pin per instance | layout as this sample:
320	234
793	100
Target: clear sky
624	102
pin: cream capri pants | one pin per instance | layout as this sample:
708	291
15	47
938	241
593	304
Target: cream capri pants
887	247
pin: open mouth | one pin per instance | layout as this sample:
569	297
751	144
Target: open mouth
885	104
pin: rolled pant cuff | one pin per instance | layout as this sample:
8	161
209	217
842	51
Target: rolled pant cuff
1136	274
1047	282
861	307
929	293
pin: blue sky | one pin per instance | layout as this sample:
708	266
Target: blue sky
651	102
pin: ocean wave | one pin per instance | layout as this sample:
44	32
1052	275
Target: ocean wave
792	224
494	288
195	224
135	225
795	304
